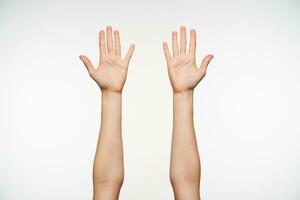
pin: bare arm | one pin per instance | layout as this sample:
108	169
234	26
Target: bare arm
110	75
184	75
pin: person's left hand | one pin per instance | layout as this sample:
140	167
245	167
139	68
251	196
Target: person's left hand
183	72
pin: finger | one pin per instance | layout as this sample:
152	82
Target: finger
192	42
182	39
88	64
167	52
117	43
109	39
205	62
175	43
129	54
102	44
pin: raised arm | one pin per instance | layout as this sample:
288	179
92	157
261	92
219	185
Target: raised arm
110	75
184	76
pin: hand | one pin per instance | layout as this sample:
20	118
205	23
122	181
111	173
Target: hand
183	72
111	72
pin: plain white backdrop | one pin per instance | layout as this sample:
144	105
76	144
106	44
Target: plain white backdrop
246	109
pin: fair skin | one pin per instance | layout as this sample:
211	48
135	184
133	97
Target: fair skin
110	75
184	76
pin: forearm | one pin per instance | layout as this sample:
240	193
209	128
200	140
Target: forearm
185	162
110	75
108	171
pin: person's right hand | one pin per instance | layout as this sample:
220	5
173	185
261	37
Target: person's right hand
111	72
183	72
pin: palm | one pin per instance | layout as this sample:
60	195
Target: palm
112	69
183	72
111	73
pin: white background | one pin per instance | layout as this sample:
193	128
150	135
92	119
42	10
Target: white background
246	109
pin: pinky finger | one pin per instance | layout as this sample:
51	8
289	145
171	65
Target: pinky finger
167	52
129	54
205	62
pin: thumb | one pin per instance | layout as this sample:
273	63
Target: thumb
88	64
203	67
129	54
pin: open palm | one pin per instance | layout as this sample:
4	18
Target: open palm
112	70
183	71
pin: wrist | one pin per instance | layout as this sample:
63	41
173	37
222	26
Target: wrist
184	94
108	92
111	97
183	103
